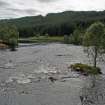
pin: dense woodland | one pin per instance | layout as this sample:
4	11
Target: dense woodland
55	24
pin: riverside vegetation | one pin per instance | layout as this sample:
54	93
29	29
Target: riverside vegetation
93	40
85	69
94	44
9	37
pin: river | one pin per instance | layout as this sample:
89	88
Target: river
24	75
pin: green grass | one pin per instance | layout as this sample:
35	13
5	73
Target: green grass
42	39
85	69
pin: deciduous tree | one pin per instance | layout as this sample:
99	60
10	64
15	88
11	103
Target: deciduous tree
94	41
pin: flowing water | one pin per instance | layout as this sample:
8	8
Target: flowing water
24	75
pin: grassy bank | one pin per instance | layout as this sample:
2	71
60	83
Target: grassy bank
42	39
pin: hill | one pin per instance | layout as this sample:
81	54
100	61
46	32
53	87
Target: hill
55	23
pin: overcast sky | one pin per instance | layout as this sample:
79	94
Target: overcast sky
20	8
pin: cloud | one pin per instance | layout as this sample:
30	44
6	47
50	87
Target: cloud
3	4
20	8
46	1
24	11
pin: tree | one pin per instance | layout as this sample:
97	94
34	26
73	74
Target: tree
94	41
13	43
77	36
4	36
9	35
66	39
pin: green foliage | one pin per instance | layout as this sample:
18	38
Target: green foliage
66	39
94	41
85	69
4	34
47	35
9	35
94	35
42	39
58	24
76	37
13	43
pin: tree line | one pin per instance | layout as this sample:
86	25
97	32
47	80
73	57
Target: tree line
55	24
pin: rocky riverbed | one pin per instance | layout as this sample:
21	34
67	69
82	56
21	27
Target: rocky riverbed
25	75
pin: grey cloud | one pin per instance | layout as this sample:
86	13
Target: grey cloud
7	14
3	4
46	0
31	11
20	8
25	11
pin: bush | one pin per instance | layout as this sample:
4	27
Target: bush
9	35
66	39
85	69
77	37
13	43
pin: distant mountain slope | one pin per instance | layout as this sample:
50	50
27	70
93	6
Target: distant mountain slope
55	23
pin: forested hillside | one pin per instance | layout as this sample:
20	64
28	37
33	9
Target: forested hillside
55	23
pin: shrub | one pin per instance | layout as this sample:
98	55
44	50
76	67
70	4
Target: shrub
85	69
